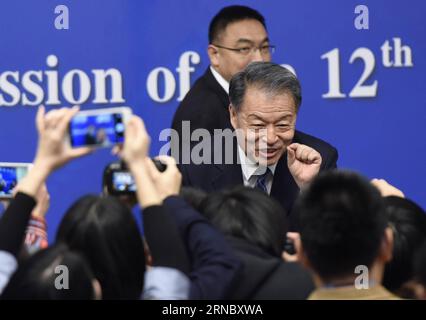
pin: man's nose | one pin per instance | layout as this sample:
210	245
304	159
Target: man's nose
271	136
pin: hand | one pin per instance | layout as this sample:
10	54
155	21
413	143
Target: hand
168	182
52	150
304	163
135	153
43	202
295	238
386	189
136	143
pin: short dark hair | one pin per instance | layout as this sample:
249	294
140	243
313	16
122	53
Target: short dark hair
229	15
35	277
248	214
105	232
420	265
193	196
342	223
408	223
269	77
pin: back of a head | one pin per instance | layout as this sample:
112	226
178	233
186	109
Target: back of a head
230	15
105	231
55	273
408	223
342	223
248	214
419	268
193	196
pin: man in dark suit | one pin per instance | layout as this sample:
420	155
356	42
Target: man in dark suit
269	154
237	36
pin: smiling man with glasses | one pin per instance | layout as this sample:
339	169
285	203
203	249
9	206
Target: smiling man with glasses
237	37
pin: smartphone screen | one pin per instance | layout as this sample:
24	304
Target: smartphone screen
9	178
122	181
101	130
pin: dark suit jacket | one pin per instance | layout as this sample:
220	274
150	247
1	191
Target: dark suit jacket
205	105
214	264
266	277
213	177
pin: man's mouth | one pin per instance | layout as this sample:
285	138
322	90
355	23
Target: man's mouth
268	153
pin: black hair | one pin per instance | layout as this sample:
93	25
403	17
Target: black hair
408	223
104	230
342	223
230	15
419	265
248	214
193	196
55	273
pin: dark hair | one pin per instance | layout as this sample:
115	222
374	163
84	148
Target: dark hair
229	15
38	276
408	223
248	214
342	223
105	231
270	78
419	265
193	196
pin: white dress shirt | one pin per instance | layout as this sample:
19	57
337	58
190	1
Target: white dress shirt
221	80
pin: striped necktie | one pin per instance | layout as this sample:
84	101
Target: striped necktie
261	180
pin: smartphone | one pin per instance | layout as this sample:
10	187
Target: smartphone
10	175
99	127
119	181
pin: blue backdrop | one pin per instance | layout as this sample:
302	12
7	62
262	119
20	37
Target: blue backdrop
159	48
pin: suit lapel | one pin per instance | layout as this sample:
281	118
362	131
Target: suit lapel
216	87
284	188
228	175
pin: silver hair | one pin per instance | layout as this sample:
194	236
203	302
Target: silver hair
269	77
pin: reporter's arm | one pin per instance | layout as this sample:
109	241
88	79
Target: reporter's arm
162	235
12	230
145	188
214	264
14	223
52	152
164	240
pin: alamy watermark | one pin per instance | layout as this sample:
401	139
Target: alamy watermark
62	21
362	281
201	146
62	281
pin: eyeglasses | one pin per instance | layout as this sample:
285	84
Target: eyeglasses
245	51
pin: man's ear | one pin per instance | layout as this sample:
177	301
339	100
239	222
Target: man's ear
386	247
213	56
233	116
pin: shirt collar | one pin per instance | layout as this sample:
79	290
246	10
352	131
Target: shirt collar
221	80
249	167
